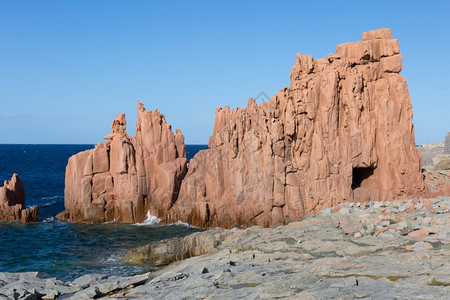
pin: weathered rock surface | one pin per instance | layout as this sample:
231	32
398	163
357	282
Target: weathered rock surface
325	256
342	132
350	251
12	202
436	168
167	251
30	286
125	177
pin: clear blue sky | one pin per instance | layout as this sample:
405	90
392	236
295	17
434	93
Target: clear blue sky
67	68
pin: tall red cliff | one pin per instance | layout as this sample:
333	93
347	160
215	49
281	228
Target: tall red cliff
126	177
342	132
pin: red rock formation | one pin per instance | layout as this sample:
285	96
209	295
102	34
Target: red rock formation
124	178
12	202
342	132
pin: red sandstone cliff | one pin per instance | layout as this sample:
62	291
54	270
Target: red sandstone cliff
12	202
342	132
124	178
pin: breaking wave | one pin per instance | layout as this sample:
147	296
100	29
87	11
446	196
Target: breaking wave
179	223
151	220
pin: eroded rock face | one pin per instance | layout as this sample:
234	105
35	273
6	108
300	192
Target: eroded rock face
12	202
342	132
122	179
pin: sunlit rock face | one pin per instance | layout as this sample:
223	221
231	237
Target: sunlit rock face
124	178
342	132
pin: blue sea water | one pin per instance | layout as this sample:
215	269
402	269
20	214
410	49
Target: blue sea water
63	249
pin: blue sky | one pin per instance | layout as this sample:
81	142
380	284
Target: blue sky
67	68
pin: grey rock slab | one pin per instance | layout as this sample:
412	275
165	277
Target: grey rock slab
169	276
365	281
366	291
107	287
8	277
61	287
345	282
88	293
146	289
49	294
26	285
31	294
133	280
88	279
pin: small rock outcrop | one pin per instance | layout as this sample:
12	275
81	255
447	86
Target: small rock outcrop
342	132
12	202
124	178
164	252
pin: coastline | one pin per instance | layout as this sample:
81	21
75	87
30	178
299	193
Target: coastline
382	249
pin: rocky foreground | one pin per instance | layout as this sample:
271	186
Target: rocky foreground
379	250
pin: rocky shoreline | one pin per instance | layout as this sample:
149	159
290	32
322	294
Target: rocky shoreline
379	250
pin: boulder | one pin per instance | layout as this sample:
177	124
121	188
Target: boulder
124	178
12	202
164	252
342	132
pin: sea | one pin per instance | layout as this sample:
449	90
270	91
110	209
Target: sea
67	250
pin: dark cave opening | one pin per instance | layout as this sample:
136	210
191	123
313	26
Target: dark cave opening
361	174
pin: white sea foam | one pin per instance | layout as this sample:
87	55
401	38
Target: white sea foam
151	220
179	223
113	258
